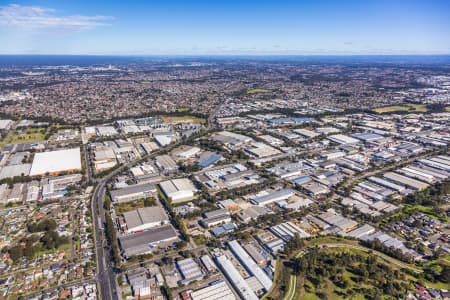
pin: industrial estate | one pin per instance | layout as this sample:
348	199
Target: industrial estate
288	181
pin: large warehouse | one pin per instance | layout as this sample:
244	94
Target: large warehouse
178	190
145	218
55	162
133	192
145	242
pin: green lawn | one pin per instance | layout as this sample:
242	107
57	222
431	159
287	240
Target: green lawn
310	296
121	208
182	119
409	107
183	109
258	91
24	136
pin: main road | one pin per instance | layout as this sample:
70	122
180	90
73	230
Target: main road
106	271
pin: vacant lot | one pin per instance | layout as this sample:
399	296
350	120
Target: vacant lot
399	108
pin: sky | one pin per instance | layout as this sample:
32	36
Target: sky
232	27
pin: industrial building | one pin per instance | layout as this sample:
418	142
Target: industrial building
415	184
145	242
236	279
230	139
208	158
166	164
207	262
190	270
437	174
287	231
164	138
306	133
342	139
106	131
145	218
187	152
219	290
255	254
386	184
260	150
216	217
222	229
333	218
367	137
280	195
435	164
250	264
133	192
416	174
178	190
56	162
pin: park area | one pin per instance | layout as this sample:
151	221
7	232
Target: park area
182	119
258	91
28	135
409	107
336	268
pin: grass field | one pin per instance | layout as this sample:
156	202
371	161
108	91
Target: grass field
128	206
420	108
183	109
24	136
182	119
258	91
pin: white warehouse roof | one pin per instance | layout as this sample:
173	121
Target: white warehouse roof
56	161
178	189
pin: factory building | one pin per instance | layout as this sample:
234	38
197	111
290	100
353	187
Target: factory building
342	139
415	184
273	197
166	164
56	162
133	192
190	270
178	190
236	279
287	231
145	218
216	217
250	264
219	290
386	184
145	242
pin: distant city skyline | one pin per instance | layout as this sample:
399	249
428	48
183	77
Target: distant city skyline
225	27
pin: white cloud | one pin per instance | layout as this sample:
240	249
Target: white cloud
35	17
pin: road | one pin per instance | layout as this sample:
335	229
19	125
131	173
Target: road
106	271
105	267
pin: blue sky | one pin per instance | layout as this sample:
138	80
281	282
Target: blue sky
148	27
